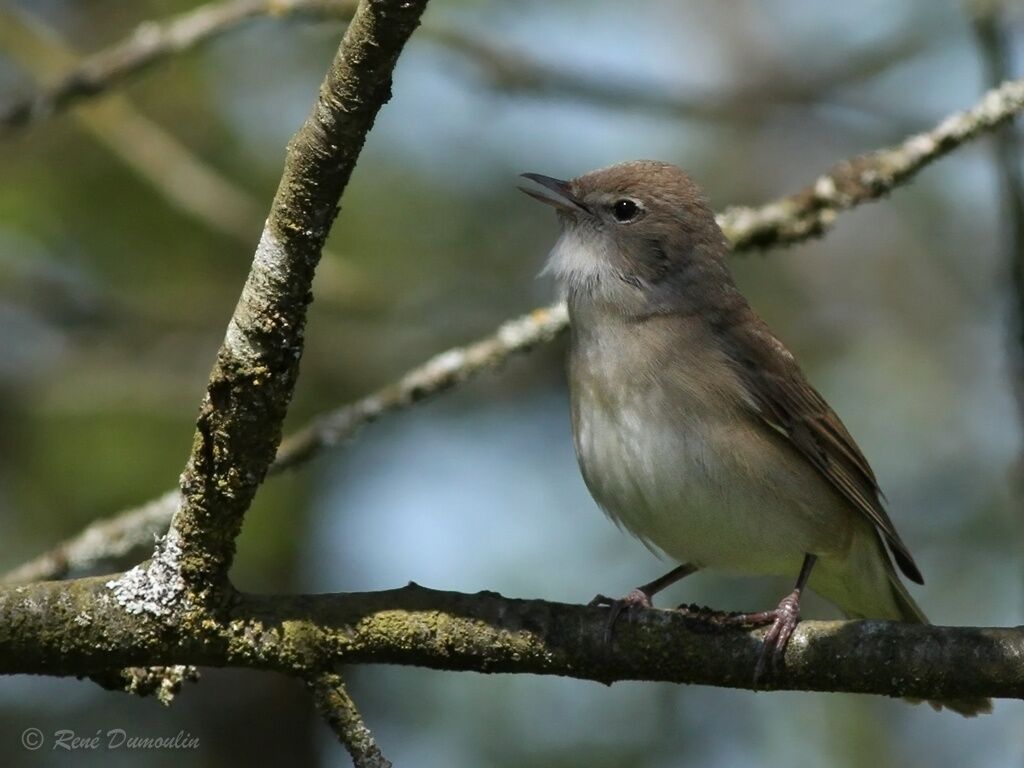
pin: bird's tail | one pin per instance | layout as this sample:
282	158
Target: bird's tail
909	611
865	585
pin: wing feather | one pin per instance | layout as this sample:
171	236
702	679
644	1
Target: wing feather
786	402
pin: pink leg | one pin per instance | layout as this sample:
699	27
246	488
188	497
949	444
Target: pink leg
641	597
783	620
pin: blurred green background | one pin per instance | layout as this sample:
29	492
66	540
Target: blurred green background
116	284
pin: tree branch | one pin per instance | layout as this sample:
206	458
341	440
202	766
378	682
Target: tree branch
129	534
504	69
868	177
159	159
251	385
995	46
153	42
515	72
178	610
334	703
73	628
115	539
184	587
162	682
155	155
440	373
789	220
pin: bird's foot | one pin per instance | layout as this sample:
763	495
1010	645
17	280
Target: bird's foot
783	620
633	604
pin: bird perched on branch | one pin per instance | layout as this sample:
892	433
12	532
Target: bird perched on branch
694	426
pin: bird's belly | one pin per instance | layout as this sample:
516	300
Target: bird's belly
703	489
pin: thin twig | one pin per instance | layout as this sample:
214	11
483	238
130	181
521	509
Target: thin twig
515	72
505	69
132	532
438	374
152	42
789	220
337	708
867	177
119	538
157	157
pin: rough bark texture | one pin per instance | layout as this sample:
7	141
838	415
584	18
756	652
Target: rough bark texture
249	391
340	712
811	211
485	632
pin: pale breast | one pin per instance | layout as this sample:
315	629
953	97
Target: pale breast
669	449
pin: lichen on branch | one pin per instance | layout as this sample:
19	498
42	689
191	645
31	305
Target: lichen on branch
486	632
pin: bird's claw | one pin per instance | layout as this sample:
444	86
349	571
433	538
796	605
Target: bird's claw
773	649
633	603
783	621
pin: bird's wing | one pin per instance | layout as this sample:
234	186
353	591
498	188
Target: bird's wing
786	402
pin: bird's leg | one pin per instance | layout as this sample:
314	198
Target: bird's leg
641	596
783	620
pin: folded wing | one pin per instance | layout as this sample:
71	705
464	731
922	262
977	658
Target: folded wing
785	400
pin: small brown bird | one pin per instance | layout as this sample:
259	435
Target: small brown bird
694	426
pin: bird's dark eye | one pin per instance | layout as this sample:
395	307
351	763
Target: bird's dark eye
625	210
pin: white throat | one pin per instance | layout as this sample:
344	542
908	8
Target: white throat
581	261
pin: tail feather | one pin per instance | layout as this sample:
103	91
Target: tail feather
864	585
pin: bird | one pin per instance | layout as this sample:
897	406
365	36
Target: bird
694	427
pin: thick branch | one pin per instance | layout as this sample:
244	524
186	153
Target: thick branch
336	705
73	628
786	221
251	385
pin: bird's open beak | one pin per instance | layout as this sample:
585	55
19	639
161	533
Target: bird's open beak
556	193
